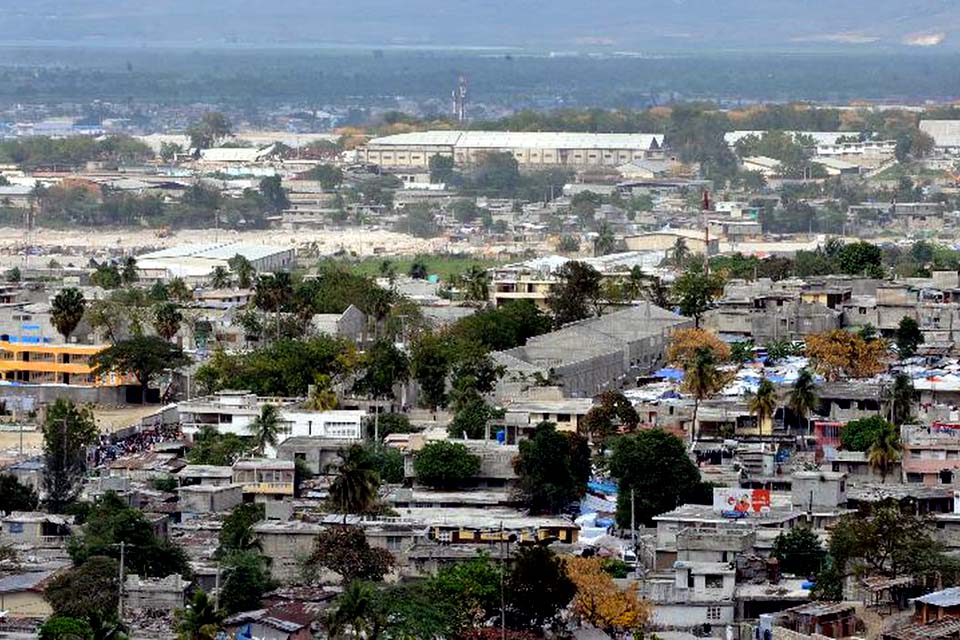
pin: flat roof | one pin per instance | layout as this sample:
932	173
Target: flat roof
522	140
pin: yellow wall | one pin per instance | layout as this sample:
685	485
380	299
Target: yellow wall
46	363
27	604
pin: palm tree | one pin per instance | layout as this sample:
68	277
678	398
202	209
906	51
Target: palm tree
66	311
803	397
885	451
244	271
199	620
355	615
605	241
763	403
129	273
220	279
177	290
680	253
272	293
166	320
901	397
321	396
354	489
701	379
476	284
265	428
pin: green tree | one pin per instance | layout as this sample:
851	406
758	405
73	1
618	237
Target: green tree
62	628
345	550
763	403
218	449
111	522
577	294
246	578
356	483
199	619
537	589
66	311
419	269
884	451
799	552
441	169
236	533
177	290
129	274
212	127
695	292
803	396
88	592
271	188
497	174
67	431
220	278
701	379
861	258
430	363
243	271
166	320
388	463
272	293
612	410
861	434
265	428
902	397
552	469
476	284
908	337
16	496
143	356
329	176
655	466
383	367
445	465
106	276
472	589
169	151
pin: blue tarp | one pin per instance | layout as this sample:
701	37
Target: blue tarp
605	488
669	374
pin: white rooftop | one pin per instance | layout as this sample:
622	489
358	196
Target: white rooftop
522	140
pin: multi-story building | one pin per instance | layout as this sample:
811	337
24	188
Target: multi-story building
931	453
265	479
67	364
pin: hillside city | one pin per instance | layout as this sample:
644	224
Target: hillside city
445	369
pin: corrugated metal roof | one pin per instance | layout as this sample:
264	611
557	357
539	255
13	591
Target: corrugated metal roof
946	598
522	140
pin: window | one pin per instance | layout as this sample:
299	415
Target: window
714	613
394	543
689	580
713	582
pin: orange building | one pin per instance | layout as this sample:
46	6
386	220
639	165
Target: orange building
32	363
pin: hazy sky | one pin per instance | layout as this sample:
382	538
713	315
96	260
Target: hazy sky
615	25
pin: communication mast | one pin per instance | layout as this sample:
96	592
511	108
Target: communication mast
460	100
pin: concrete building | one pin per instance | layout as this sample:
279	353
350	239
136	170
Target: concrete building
196	263
27	362
198	499
317	452
593	355
264	480
565	413
530	149
155	594
945	134
21	595
930	454
496	461
351	324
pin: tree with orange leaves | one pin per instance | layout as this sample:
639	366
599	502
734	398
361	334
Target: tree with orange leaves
601	603
843	353
685	342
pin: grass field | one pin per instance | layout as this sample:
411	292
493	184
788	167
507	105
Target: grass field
445	266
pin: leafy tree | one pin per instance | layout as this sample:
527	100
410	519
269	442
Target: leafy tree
344	550
177	290
600	603
63	628
537	589
476	284
419	221
143	356
472	589
430	363
441	169
684	344
860	435
246	578
763	403
861	258
106	276
236	533
220	278
272	294
507	326
111	522
212	127
271	188
199	620
169	150
803	395
383	367
695	292
613	409
902	396
842	353
799	552
355	485
497	174
66	311
445	465
701	379
14	275
265	428
576	295
67	431
419	269
388	463
129	274
656	467
471	417
166	320
393	423
88	592
908	337
328	175
884	451
16	496
243	270
552	469
215	448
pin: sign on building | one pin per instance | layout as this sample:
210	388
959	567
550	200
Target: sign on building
733	502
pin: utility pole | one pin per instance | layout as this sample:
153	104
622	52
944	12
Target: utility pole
633	527
123	557
503	598
216	589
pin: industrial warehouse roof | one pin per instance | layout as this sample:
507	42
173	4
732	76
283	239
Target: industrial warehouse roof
522	140
214	251
945	133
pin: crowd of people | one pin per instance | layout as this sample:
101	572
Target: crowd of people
112	447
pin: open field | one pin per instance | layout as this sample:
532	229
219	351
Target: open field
444	266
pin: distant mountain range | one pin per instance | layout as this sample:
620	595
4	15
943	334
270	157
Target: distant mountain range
636	26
